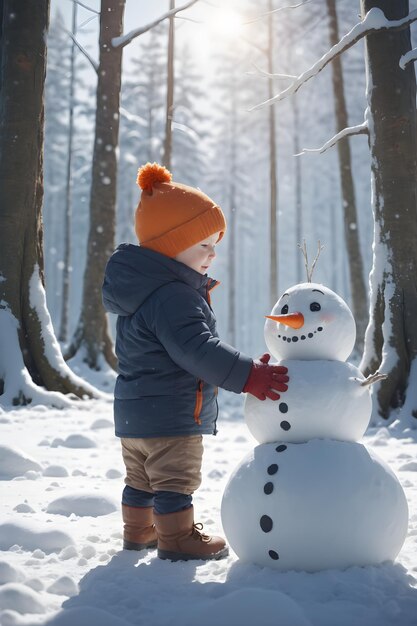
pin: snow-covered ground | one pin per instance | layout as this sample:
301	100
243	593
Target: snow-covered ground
61	562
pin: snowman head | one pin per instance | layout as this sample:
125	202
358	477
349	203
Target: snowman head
310	322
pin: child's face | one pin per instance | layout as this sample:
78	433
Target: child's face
199	256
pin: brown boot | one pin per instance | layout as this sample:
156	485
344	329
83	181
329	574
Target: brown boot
179	539
139	530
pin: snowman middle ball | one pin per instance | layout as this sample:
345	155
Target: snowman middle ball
324	399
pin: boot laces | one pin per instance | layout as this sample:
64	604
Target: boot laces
198	535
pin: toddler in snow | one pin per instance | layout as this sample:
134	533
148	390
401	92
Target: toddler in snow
171	362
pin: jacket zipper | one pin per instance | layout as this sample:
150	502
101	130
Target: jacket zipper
198	402
212	284
217	412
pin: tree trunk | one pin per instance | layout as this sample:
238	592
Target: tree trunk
29	355
170	92
356	271
298	189
66	273
232	219
273	201
91	335
391	337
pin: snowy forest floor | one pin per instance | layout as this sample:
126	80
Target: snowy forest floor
61	557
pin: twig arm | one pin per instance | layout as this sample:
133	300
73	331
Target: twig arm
373	378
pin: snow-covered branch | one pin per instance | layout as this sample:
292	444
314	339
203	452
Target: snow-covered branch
361	129
374	20
408	58
131	117
121	42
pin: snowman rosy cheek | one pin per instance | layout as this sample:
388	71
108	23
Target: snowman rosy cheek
327	318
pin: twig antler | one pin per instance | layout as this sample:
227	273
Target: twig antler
303	249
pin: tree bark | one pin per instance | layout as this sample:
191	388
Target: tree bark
91	335
232	252
356	270
273	200
298	180
66	273
32	355
391	337
167	157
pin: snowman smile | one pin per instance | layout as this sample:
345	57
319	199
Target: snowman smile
310	335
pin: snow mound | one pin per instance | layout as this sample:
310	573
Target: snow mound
64	586
55	471
70	552
14	462
101	423
10	574
20	598
246	607
78	441
113	473
82	505
411	466
23	507
30	539
85	616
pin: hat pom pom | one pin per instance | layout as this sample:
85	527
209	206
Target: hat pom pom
152	173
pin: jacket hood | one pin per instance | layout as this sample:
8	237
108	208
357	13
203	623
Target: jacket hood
133	273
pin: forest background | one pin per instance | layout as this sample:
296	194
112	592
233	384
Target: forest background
198	92
217	82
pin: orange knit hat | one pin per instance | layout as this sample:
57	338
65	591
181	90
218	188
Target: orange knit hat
172	217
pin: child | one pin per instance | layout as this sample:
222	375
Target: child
171	362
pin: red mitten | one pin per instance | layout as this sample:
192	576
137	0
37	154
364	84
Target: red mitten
264	378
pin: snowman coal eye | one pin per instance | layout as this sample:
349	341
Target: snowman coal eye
284	309
314	306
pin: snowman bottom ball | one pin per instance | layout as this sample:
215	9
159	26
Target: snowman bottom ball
316	505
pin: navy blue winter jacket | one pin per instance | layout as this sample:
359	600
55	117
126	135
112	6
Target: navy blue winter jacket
171	360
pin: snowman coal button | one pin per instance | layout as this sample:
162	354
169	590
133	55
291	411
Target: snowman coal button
268	488
283	407
272	469
274	555
281	448
285	425
266	523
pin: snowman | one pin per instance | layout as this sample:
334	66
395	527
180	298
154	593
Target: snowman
310	497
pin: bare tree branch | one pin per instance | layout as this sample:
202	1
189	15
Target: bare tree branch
188	19
374	20
83	50
87	21
262	15
124	40
361	129
81	4
261	72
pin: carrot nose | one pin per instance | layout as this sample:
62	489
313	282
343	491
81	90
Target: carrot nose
295	320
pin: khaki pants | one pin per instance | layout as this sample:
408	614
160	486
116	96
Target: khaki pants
163	463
